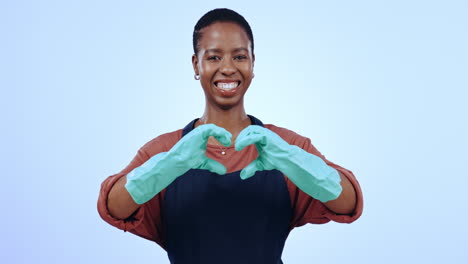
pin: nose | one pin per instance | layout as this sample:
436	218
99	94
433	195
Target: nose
227	67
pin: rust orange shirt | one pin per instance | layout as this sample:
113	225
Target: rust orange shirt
146	222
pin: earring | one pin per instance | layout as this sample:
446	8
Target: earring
197	77
253	75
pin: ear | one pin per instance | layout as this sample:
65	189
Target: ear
253	62
195	63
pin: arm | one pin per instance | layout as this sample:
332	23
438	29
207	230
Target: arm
346	207
346	202
309	210
145	221
112	205
309	172
145	177
119	202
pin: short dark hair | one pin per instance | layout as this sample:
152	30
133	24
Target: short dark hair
220	15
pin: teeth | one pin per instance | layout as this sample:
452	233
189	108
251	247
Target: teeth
227	86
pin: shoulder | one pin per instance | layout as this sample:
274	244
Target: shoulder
162	143
281	130
288	135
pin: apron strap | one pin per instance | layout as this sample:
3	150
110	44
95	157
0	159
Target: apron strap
189	127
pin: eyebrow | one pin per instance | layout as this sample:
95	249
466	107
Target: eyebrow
220	51
241	49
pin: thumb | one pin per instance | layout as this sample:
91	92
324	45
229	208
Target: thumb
213	166
250	169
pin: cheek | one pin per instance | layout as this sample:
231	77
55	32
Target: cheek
245	66
207	68
247	70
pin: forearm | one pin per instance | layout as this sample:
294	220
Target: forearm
119	202
346	202
311	174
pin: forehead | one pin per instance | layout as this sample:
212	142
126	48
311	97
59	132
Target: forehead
223	35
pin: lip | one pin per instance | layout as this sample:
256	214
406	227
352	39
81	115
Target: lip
225	93
226	81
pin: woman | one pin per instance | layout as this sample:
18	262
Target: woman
227	188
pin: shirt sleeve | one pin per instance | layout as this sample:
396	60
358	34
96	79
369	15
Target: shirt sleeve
146	221
305	208
309	210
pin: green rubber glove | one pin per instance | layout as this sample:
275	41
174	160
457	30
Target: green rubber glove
147	180
307	171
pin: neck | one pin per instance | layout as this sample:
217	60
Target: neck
232	121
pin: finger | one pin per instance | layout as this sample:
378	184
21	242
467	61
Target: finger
248	139
224	139
219	133
213	166
248	130
250	169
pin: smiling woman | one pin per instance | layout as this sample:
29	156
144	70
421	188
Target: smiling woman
227	188
224	61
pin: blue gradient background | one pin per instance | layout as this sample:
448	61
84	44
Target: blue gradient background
379	86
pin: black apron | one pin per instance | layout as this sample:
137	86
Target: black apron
222	219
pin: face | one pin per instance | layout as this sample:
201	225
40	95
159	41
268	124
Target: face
225	64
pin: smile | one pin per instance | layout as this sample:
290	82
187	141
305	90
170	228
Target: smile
227	85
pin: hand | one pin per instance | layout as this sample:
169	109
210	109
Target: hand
269	145
147	180
190	151
307	171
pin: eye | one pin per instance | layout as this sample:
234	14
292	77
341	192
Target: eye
240	57
214	58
